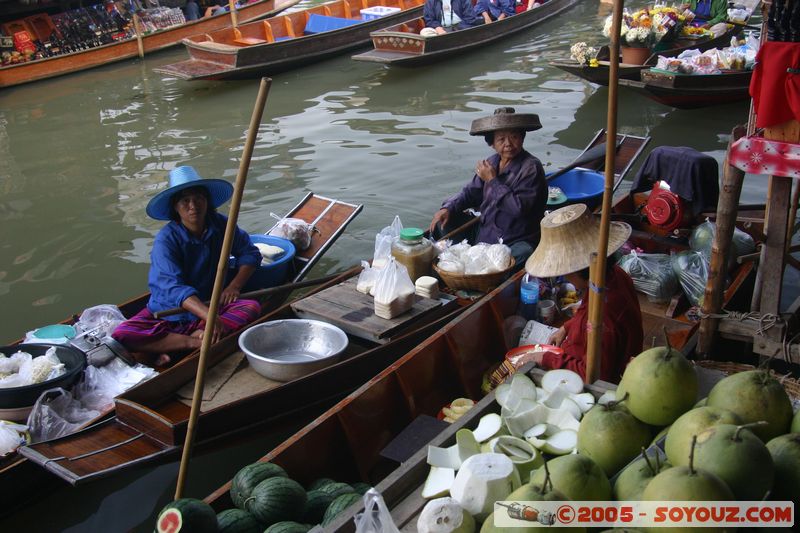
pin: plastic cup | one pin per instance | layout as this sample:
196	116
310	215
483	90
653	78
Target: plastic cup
547	310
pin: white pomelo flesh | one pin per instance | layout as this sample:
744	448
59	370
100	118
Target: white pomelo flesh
574	409
556	396
519	424
785	452
612	437
755	395
585	401
679	437
438	482
608	396
661	385
568	379
561	443
482	480
577	477
466	444
501	393
445	515
522	388
488	427
444	457
524	456
536	431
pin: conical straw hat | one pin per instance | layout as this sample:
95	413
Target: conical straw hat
569	236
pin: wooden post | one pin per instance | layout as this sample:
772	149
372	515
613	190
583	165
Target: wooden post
598	278
138	29
774	249
727	211
222	268
234	18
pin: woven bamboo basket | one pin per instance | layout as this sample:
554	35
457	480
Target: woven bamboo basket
475	282
791	385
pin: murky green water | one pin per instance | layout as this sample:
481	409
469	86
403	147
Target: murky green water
80	156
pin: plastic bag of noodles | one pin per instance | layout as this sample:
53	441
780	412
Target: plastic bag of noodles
692	270
652	275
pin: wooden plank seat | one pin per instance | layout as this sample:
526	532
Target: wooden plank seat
321	23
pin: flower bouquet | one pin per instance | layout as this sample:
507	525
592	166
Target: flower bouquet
584	54
646	27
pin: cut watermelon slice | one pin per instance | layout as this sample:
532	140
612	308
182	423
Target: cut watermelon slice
170	521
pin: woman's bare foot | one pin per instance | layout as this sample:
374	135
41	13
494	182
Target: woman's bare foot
162	360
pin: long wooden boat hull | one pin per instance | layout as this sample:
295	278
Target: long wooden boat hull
118	51
21	479
279	44
403	45
599	74
691	92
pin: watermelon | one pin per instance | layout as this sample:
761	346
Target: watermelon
187	515
288	527
248	477
337	489
316	505
361	488
338	506
319	483
275	500
237	521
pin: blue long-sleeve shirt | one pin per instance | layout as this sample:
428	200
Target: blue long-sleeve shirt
511	205
495	8
433	12
183	265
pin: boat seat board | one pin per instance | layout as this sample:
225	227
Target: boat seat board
416	435
354	312
249	41
321	23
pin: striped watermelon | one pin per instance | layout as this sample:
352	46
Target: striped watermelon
248	477
237	521
337	489
319	483
187	515
275	500
288	527
338	506
316	505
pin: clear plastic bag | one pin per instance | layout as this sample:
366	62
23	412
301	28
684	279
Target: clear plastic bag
294	229
383	242
101	320
394	290
692	270
55	414
367	278
702	239
101	385
652	275
499	256
12	436
376	517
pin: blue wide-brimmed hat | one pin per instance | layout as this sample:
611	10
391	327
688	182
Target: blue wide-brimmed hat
181	178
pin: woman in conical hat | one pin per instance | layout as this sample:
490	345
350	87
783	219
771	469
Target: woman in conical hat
183	267
509	188
569	236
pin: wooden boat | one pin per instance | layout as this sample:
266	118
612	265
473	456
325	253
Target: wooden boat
50	67
20	477
692	91
287	41
599	74
403	45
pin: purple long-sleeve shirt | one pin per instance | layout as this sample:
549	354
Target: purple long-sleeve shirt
511	205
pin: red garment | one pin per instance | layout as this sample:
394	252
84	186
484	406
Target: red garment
622	331
776	92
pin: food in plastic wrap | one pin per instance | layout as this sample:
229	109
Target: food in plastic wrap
383	243
499	256
12	436
652	275
394	290
294	229
100	319
692	270
366	279
482	258
22	369
702	239
269	253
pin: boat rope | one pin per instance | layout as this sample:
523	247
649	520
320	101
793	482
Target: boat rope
765	322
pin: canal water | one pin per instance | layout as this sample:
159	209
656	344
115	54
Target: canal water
81	155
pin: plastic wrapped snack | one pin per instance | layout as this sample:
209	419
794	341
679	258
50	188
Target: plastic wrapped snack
294	229
366	280
499	256
394	290
383	243
476	260
652	275
692	270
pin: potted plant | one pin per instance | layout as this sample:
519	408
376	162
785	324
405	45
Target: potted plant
641	30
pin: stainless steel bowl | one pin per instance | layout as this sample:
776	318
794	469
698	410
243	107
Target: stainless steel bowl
284	350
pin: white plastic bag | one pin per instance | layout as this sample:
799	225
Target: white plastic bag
394	290
366	280
101	385
55	414
11	436
383	242
376	517
294	229
103	318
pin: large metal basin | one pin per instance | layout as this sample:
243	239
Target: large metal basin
284	350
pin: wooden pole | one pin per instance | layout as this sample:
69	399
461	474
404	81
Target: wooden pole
727	211
137	27
234	18
598	278
222	267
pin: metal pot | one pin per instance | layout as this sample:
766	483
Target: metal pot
283	350
74	363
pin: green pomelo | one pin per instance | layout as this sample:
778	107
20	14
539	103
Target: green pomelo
737	457
611	436
576	476
631	482
532	492
701	403
795	423
679	437
785	452
661	384
755	395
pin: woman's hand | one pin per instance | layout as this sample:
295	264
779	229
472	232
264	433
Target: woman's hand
219	331
485	171
440	218
557	337
230	294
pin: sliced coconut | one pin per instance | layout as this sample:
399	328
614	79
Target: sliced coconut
556	396
608	396
574	409
541	393
444	457
438	482
501	393
567	378
488	427
536	442
561	443
466	444
522	388
585	401
482	480
519	423
444	515
562	419
536	431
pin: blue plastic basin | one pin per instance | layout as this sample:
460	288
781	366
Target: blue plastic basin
579	186
275	273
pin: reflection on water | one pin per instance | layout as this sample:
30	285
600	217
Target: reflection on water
81	155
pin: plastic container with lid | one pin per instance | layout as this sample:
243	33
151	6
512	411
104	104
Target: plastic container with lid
414	252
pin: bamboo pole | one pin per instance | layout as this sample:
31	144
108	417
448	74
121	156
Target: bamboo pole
727	211
234	18
138	29
222	267
598	278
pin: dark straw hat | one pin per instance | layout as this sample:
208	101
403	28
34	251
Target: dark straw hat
505	118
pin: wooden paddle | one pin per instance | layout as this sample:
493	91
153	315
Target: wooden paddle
591	155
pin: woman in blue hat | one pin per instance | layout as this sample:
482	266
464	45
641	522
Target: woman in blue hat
183	266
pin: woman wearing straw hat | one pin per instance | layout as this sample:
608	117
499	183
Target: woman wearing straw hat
509	188
183	266
569	236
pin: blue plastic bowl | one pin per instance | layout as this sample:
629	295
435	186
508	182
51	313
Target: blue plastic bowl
275	273
580	186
